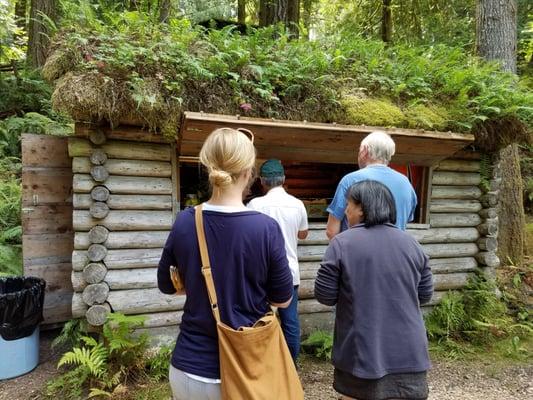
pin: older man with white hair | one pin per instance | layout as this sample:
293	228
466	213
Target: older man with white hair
375	153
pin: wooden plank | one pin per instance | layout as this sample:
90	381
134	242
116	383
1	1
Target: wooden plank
124	184
82	165
44	151
46	186
121	132
454	220
122	150
126	202
454	206
125	240
455	192
458	165
456	178
57	307
137	301
450	250
137	278
121	220
43	246
450	281
120	259
445	235
47	219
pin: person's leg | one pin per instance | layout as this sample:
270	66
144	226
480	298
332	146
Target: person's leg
290	324
186	388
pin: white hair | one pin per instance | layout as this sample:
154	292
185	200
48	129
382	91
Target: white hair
380	146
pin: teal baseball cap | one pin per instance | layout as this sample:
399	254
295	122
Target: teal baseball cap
271	168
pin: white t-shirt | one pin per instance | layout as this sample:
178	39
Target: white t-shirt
291	216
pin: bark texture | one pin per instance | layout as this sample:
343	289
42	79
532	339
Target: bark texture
38	32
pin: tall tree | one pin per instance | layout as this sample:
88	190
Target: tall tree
41	12
386	22
496	40
20	12
241	11
164	10
285	11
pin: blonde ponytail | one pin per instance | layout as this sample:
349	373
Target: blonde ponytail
226	153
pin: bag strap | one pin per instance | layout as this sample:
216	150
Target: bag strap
206	267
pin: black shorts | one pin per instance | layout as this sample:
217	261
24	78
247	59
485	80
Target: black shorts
411	386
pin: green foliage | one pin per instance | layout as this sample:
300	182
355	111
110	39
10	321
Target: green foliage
155	71
26	92
477	317
71	334
485	172
114	359
320	344
159	363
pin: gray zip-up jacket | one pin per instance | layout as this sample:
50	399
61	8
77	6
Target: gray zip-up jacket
378	277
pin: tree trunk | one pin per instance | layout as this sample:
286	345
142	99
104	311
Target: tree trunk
496	40
286	11
20	12
306	15
241	11
496	32
386	22
38	33
164	10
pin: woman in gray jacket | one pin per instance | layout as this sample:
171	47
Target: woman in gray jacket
377	276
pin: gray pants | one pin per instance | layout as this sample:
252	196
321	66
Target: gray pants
185	388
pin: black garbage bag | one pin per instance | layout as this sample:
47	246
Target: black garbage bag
21	306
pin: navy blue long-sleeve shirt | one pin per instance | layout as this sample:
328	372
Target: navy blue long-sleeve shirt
249	267
377	277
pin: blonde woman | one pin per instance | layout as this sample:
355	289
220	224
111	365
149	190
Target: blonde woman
248	262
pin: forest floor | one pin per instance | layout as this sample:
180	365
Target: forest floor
484	379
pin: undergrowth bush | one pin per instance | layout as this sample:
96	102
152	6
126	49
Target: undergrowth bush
105	365
319	344
477	316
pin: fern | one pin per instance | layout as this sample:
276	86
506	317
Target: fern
485	170
319	343
93	359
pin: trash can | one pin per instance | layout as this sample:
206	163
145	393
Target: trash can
21	311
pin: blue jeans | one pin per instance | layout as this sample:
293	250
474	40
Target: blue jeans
290	325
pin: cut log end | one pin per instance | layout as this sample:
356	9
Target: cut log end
97	314
97	137
99	210
99	173
96	252
100	193
94	273
95	294
98	234
98	157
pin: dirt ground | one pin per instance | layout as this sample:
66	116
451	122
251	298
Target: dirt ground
457	380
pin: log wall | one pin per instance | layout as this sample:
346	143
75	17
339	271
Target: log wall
122	213
124	196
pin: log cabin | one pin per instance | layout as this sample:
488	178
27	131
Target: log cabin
98	206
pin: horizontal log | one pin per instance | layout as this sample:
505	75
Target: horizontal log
306	290
120	259
168	318
453	206
122	220
311	251
488	243
450	265
488	258
138	301
488	213
79	308
138	278
445	235
97	314
95	293
490	199
82	183
121	149
454	220
310	306
78	283
126	202
456	178
450	250
455	192
458	165
309	269
323	321
94	273
450	281
489	227
83	165
127	129
125	240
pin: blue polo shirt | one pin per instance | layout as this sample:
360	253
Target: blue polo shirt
249	267
400	187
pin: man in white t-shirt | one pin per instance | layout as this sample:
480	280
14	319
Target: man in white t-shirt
291	216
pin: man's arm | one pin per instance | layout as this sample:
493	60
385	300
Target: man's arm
333	227
303	234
